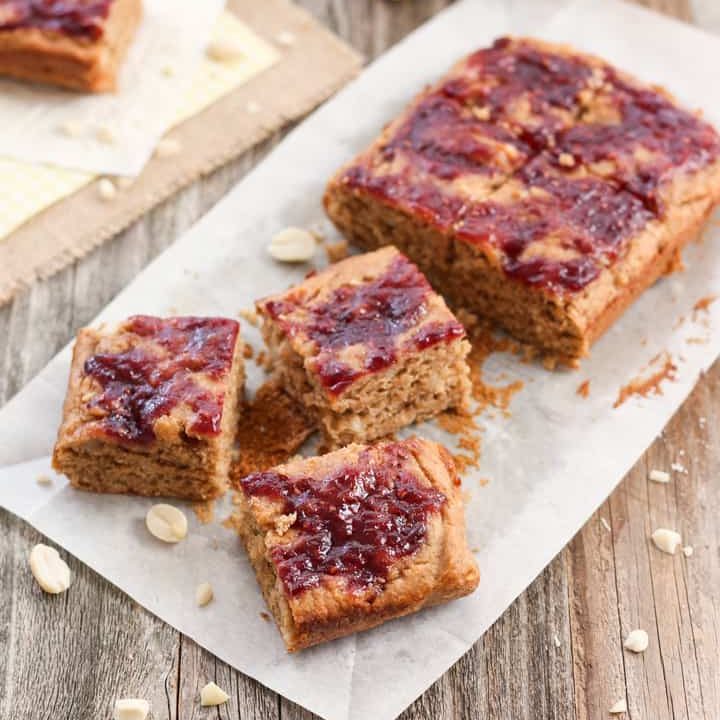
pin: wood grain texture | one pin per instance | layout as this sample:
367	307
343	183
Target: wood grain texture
555	654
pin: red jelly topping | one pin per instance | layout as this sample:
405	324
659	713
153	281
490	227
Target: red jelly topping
674	139
73	17
353	523
372	314
139	385
592	218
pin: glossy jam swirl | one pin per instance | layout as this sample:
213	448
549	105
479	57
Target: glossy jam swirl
146	382
354	522
73	17
372	314
626	159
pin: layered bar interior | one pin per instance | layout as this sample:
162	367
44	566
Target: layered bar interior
343	542
152	407
536	186
367	346
76	44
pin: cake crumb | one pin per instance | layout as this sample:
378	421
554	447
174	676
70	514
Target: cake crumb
203	594
659	476
483	481
250	315
679	468
666	540
643	386
284	522
583	389
248	351
105	135
337	251
232	522
265	616
618	708
636	641
285	38
106	189
271	429
703	304
204	511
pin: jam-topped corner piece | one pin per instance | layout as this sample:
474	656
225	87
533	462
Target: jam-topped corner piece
84	18
75	44
343	542
156	392
538	187
345	335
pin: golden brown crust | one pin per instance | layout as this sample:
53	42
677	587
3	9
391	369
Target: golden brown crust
69	61
442	569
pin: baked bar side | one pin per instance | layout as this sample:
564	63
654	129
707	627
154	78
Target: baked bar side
468	276
417	387
173	465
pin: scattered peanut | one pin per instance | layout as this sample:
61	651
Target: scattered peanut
666	540
659	476
106	189
203	594
618	708
211	694
636	641
131	709
292	245
166	523
49	569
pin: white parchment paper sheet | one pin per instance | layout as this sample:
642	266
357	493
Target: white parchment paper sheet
550	464
172	34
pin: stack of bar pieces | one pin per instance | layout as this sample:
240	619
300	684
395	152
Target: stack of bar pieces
536	186
76	44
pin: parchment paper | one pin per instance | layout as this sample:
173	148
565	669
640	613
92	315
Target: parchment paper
171	35
550	464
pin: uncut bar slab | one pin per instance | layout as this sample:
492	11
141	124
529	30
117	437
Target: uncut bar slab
152	406
368	347
346	541
609	179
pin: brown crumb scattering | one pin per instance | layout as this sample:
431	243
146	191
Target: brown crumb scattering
250	315
271	429
204	511
483	481
247	351
703	304
265	616
336	251
584	389
649	384
232	522
263	360
676	263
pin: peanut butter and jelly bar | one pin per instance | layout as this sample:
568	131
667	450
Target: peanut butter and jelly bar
367	346
151	407
346	541
536	186
76	44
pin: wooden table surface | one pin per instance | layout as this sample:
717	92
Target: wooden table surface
555	653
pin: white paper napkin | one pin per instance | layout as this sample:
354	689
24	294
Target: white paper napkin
550	464
153	82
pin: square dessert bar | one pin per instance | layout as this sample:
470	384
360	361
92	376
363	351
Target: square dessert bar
536	186
343	542
151	407
367	347
76	44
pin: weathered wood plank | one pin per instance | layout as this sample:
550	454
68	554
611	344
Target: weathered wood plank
605	584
